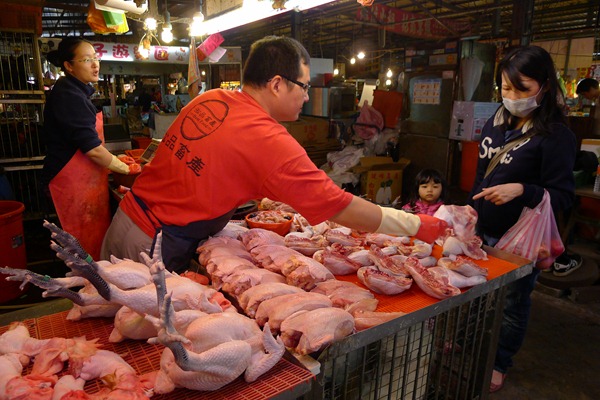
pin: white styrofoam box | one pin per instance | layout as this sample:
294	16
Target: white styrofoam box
468	119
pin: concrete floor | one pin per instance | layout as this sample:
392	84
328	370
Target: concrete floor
560	358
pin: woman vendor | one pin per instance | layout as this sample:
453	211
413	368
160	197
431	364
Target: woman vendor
75	167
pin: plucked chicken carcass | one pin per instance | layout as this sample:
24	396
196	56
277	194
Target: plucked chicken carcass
347	295
276	310
305	272
272	256
309	331
213	350
257	237
251	298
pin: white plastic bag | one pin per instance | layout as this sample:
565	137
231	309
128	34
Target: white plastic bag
535	236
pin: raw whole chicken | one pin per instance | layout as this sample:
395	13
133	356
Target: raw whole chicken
347	295
368	319
273	257
306	246
305	272
257	237
214	349
310	331
277	309
251	298
242	280
221	246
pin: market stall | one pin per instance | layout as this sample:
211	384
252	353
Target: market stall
439	349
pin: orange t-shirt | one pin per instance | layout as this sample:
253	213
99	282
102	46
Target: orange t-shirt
222	151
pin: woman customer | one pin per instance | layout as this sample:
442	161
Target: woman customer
536	153
76	161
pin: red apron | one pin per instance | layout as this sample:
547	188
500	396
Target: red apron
80	196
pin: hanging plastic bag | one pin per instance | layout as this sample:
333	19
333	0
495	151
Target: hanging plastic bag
97	23
535	236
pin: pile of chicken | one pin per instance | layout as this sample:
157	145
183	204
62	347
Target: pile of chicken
285	290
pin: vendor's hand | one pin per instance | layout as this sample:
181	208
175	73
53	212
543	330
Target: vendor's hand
126	159
135	168
431	228
501	194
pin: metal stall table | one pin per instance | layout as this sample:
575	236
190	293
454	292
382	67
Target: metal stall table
441	350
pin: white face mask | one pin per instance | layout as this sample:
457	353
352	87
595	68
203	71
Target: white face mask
521	107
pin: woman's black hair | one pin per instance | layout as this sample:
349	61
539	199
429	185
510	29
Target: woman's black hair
274	55
534	62
424	176
65	52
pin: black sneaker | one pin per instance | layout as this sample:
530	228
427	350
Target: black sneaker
564	268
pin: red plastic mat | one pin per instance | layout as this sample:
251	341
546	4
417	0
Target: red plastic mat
144	357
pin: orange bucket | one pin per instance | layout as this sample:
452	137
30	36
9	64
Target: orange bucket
12	246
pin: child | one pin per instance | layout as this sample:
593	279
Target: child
429	193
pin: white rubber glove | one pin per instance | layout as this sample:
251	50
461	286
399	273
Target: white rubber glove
118	166
397	222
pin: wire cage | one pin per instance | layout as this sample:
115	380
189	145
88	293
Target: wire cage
440	352
21	109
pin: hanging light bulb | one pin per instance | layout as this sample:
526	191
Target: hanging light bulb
167	32
353	60
196	26
389	73
360	55
336	72
388	82
144	47
151	23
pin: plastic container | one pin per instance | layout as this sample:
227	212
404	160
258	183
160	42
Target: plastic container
12	246
281	228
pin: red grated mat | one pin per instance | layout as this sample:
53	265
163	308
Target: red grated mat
415	299
144	357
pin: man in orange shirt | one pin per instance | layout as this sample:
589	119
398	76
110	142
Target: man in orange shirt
226	148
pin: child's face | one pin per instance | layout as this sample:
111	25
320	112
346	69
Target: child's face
430	191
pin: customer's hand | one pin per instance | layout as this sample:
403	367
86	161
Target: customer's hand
501	194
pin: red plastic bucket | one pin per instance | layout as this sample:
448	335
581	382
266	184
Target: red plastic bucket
12	246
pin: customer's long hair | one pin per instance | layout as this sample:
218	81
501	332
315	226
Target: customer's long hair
534	62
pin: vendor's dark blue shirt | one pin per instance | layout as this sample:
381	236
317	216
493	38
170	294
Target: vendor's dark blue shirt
69	124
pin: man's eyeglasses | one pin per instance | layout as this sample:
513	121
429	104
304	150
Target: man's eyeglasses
304	86
87	60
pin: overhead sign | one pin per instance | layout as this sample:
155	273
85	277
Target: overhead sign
128	52
411	24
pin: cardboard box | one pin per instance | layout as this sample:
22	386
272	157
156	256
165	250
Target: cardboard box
381	178
309	130
468	119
